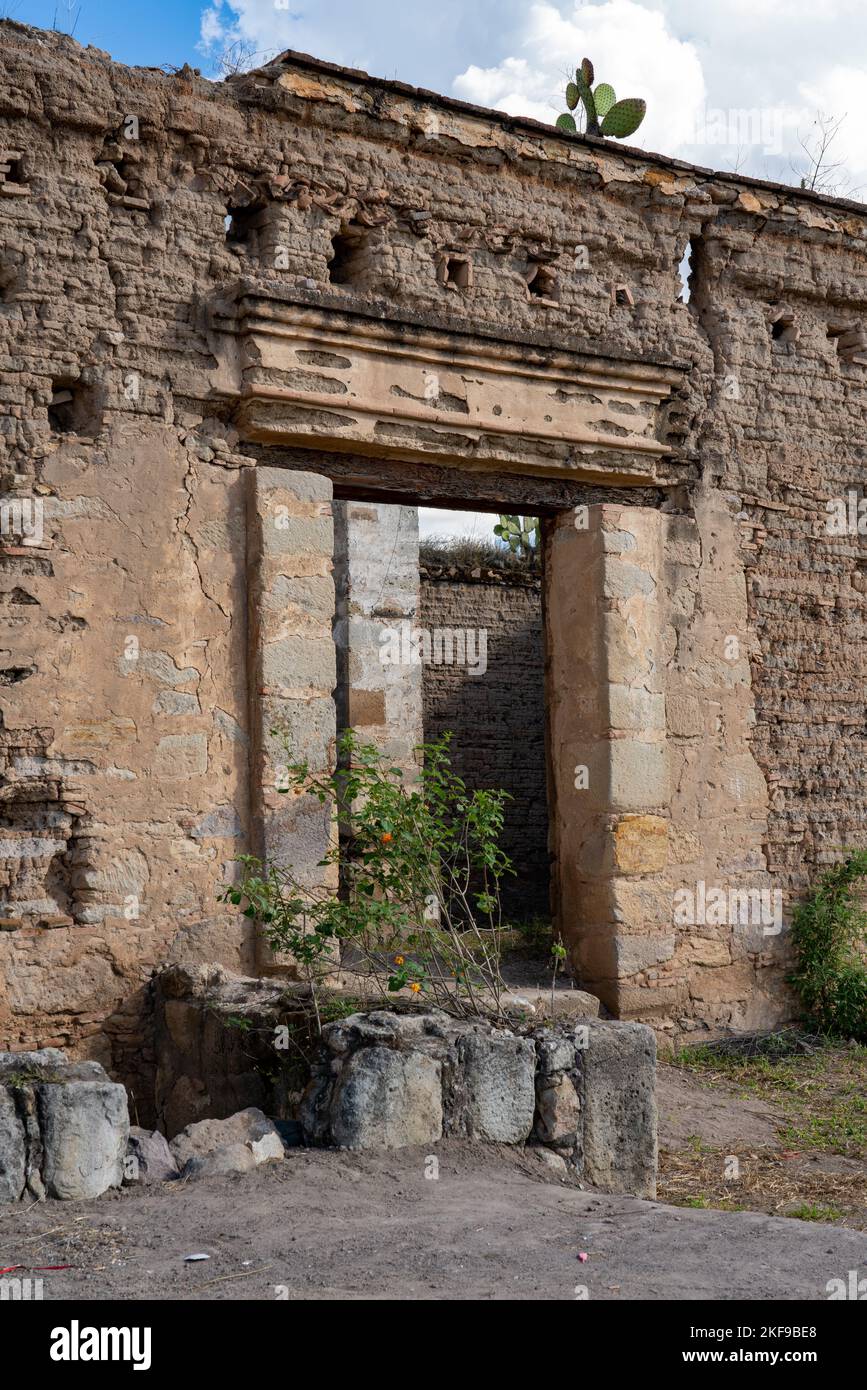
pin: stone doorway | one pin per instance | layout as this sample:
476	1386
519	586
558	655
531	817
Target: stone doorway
606	762
442	634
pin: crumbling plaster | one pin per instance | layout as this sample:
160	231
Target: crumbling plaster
124	303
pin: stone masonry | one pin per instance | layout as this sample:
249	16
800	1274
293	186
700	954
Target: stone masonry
223	306
496	715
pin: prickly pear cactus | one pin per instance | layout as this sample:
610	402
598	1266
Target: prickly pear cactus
624	118
604	98
521	533
586	94
605	114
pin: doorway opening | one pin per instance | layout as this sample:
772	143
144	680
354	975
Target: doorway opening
439	631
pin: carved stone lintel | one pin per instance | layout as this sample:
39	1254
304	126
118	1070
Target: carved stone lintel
316	376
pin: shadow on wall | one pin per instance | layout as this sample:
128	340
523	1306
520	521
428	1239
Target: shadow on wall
493	703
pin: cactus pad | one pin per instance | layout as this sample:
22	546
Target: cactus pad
624	117
605	98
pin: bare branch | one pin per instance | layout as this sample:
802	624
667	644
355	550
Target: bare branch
817	170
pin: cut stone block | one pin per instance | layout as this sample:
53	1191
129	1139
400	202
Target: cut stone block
13	1153
558	1111
85	1127
620	1146
388	1100
63	1127
494	1093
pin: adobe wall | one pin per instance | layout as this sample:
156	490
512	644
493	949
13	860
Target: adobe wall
133	768
495	708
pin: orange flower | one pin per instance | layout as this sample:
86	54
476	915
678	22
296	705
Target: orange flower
385	836
415	987
398	960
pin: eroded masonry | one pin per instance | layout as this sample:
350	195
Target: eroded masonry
246	329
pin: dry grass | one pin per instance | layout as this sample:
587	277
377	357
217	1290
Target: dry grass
767	1180
465	552
820	1171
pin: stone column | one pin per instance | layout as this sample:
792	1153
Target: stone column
608	754
377	582
292	666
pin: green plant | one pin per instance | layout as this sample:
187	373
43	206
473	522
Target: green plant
238	1021
829	935
605	115
558	957
812	1211
420	876
521	533
529	936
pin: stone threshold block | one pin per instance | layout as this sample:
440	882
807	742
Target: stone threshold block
581	1089
63	1127
587	1091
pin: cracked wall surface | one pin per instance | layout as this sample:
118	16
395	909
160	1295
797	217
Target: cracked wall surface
154	218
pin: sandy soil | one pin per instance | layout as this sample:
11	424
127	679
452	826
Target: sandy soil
494	1225
719	1118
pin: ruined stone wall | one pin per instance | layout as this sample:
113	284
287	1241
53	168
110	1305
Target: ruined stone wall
495	709
125	675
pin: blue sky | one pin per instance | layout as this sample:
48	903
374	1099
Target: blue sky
143	35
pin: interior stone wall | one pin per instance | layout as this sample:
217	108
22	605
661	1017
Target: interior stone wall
130	776
496	715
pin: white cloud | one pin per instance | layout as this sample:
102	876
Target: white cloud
728	82
631	47
211	29
842	91
437	521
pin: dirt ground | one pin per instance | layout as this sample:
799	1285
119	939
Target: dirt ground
786	1136
494	1225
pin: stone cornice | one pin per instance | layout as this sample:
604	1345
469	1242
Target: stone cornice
341	379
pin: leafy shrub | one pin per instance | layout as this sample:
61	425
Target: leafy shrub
420	877
829	935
